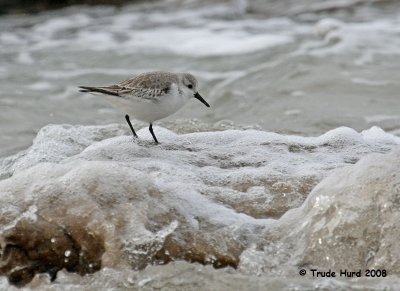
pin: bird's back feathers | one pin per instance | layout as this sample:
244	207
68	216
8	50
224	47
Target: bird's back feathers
148	86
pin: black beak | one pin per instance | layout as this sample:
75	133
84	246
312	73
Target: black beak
197	96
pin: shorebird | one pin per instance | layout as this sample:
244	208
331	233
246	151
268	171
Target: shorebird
150	96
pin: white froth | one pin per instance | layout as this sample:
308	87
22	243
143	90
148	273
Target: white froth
199	37
371	82
381	117
377	135
52	26
203	42
376	38
41	86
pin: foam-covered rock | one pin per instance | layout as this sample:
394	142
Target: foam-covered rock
349	221
202	197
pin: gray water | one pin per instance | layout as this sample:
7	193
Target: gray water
293	167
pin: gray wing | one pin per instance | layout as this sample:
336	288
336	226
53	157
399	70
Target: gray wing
147	86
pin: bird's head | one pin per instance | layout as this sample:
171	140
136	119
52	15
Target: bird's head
189	87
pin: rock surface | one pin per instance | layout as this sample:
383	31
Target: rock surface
227	198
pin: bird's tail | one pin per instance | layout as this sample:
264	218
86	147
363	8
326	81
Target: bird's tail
97	89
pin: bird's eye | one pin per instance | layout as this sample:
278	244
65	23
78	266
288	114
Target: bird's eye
190	86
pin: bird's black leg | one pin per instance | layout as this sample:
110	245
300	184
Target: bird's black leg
130	125
152	133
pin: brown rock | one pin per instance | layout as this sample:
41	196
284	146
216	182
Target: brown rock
42	247
195	248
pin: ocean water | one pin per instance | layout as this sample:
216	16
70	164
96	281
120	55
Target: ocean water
294	167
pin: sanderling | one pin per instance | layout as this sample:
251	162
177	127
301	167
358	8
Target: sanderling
150	96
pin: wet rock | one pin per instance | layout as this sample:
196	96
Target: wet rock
32	247
352	217
348	222
199	249
206	197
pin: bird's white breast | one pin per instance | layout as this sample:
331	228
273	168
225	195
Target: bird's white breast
150	111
